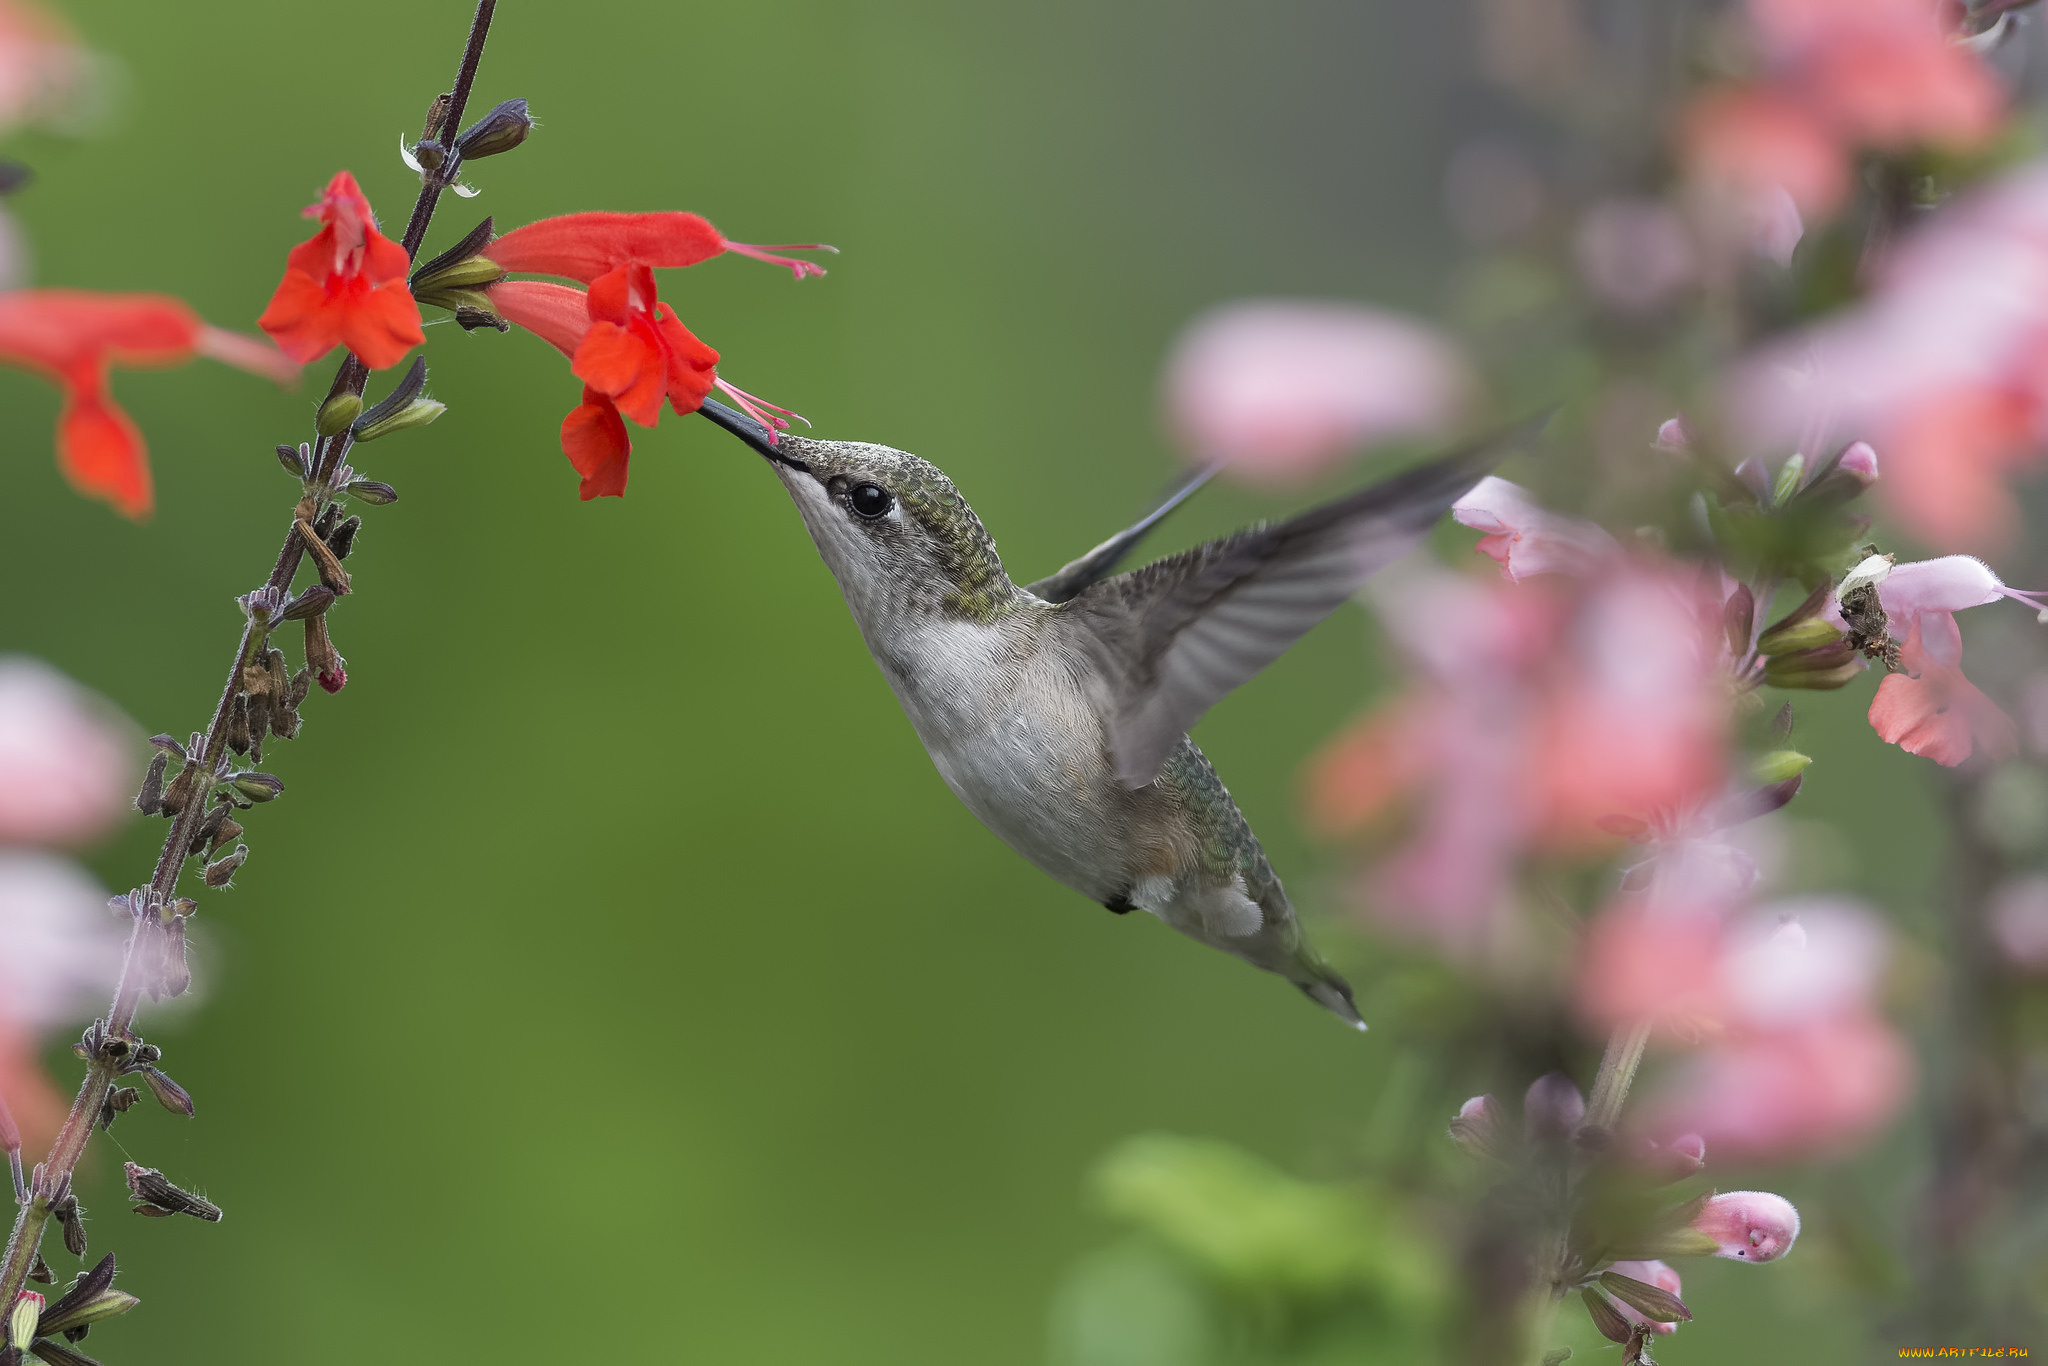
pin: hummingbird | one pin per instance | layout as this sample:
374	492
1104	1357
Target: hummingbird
1058	711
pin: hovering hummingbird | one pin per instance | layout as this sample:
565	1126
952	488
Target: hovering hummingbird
1059	711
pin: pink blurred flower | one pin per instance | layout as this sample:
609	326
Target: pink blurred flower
59	949
2019	921
43	70
1838	75
1525	538
1750	1226
1941	367
65	772
1284	390
1544	712
1649	1273
1635	254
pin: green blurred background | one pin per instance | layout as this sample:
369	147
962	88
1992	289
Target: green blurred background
617	976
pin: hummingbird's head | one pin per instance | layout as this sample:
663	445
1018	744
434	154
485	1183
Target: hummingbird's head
897	535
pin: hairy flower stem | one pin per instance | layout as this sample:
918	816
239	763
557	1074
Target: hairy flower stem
54	1174
1617	1072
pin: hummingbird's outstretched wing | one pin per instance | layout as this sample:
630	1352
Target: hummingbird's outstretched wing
1095	566
1178	635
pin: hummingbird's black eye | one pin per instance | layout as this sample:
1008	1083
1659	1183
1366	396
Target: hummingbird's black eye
870	500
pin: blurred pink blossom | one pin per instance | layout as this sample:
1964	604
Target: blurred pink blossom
1283	390
1526	538
65	771
59	949
1545	712
1635	254
1941	367
1838	75
1750	1226
1649	1273
2019	921
43	70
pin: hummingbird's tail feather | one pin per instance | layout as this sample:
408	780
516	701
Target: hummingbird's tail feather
1322	984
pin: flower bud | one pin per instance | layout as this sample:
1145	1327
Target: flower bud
1860	462
1822	667
259	787
418	413
337	413
372	492
221	871
1780	765
22	1321
1749	1226
168	1093
1804	635
1553	1107
101	1301
1477	1128
1651	1290
1673	436
1606	1317
294	464
1789	476
498	131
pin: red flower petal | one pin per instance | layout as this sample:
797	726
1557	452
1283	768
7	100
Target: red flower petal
584	246
557	314
54	329
382	325
298	320
621	362
100	450
596	443
692	366
1939	715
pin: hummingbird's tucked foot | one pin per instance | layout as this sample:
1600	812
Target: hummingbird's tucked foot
1060	717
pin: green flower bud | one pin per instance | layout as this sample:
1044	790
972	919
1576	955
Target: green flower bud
498	131
418	413
1788	478
23	1318
1800	635
337	413
1780	765
259	787
372	492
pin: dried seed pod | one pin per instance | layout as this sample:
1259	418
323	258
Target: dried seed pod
40	1273
237	732
321	656
149	1186
221	871
177	970
150	800
331	572
329	515
71	1218
181	789
168	1093
316	599
230	831
342	539
208	829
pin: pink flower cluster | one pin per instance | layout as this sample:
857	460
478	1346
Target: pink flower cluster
1547	716
1836	76
65	777
1942	367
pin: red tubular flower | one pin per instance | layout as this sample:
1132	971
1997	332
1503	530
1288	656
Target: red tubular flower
73	336
584	246
630	350
345	287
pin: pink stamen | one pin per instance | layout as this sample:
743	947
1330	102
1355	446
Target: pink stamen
770	415
798	268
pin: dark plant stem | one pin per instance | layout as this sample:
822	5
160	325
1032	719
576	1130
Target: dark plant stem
53	1176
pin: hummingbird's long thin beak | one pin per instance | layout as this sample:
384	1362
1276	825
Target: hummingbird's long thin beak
751	432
